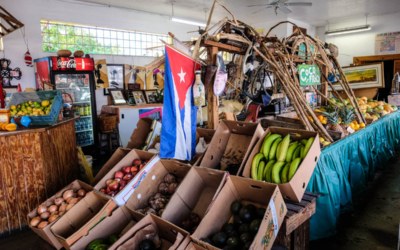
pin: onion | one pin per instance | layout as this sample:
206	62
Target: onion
53	218
45	215
73	201
42	224
70	206
53	208
59	201
67	194
61	214
41	209
62	207
81	192
35	221
54	213
69	199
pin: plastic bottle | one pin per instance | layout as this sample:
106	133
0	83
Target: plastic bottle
86	124
199	94
89	109
90	124
85	109
81	112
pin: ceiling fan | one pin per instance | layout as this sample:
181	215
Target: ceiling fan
281	5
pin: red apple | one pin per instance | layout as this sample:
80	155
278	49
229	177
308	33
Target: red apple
127	177
109	181
134	173
103	191
114	185
118	179
136	162
126	170
108	189
134	169
112	194
119	174
123	183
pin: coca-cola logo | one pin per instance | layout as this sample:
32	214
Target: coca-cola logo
71	64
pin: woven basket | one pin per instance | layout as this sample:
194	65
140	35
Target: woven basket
107	123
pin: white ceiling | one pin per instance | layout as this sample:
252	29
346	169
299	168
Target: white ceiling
318	14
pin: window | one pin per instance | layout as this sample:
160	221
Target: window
100	40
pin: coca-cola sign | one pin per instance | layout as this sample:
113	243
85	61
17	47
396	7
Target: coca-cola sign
71	64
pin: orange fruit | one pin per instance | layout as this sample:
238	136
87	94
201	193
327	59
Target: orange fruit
362	125
352	126
357	127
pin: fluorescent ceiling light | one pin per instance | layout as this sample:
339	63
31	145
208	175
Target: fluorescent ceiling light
348	30
191	22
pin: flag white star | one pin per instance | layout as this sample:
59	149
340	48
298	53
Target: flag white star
182	76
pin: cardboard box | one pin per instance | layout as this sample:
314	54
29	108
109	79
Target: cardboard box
231	144
140	134
118	155
149	185
294	189
171	235
195	194
114	224
248	191
82	217
189	244
45	233
122	197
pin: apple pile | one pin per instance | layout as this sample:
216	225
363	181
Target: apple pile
121	178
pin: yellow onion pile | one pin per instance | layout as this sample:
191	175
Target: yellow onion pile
48	214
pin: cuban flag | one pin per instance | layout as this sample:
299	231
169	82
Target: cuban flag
178	132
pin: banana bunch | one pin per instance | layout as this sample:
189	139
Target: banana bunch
279	158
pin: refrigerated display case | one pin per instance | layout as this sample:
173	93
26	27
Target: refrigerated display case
73	76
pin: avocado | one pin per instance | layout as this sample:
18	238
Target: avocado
251	207
247	245
220	239
147	245
255	225
237	219
232	241
94	243
112	239
235	207
244	228
228	227
246	237
260	212
234	233
247	214
102	247
207	240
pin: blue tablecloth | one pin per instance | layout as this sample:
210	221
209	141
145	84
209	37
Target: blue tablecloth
345	167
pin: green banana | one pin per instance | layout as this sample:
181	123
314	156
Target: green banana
261	170
284	148
285	171
272	151
290	151
296	153
307	147
268	142
268	170
263	144
278	150
276	170
301	150
293	168
254	165
304	142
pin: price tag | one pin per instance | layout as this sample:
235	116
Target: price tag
350	130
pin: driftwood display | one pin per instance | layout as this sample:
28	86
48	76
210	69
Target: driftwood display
12	22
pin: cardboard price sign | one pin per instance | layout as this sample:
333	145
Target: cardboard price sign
309	75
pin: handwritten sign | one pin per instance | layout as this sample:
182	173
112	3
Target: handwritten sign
309	75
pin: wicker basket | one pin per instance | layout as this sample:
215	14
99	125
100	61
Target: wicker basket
107	123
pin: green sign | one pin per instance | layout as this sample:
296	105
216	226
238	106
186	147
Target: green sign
309	75
302	51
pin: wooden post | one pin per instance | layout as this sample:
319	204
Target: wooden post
324	86
212	107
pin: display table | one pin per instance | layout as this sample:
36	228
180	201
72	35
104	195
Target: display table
128	117
34	164
345	167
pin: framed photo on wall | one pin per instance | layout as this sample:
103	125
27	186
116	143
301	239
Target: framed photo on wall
117	96
151	96
137	98
116	76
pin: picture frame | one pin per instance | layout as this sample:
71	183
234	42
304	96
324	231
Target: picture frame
364	76
117	96
138	98
116	76
150	95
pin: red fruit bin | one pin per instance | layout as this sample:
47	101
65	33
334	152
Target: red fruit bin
119	184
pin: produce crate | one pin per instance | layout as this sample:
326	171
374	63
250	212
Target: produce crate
39	96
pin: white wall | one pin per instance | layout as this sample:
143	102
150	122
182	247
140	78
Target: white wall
311	29
30	12
285	29
362	43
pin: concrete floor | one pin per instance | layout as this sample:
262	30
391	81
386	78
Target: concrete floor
374	223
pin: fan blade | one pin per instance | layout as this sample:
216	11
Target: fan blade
259	10
284	9
254	5
274	1
298	4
